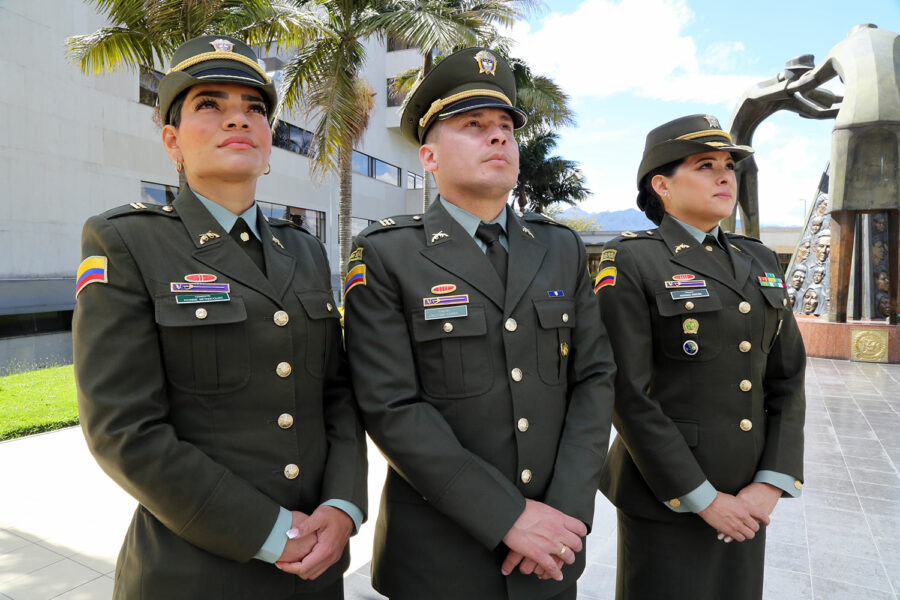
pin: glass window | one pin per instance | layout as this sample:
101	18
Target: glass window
158	193
292	138
311	220
361	163
148	82
387	173
32	323
414	182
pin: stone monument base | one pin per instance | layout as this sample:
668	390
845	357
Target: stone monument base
864	341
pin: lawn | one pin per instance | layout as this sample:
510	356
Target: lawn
35	401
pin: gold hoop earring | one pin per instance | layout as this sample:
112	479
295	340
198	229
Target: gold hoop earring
179	167
268	169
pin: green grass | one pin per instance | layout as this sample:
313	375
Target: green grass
35	401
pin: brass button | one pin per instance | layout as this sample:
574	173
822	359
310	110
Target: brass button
283	369
674	502
708	248
511	324
291	471
689	305
417	218
201	313
245	237
522	425
744	346
744	307
797	484
565	317
329	306
285	421
746	424
784	301
167	208
526	475
281	318
448	327
516	374
746	385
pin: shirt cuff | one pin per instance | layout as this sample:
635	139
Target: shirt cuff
273	547
694	501
790	486
352	511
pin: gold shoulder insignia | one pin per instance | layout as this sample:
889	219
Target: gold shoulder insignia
629	234
387	222
355	255
138	205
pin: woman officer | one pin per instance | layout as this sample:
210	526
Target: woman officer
709	391
211	381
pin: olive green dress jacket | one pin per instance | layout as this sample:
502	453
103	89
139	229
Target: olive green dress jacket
509	399
185	406
735	406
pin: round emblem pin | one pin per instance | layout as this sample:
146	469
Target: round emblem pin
691	326
691	347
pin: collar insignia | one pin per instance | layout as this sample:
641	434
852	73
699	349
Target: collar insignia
439	235
209	235
681	247
527	232
277	242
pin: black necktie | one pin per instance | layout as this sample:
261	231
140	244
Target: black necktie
719	254
496	253
252	246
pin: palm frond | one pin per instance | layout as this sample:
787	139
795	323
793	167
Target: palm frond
112	47
279	22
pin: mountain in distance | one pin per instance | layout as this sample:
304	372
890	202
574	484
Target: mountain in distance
614	220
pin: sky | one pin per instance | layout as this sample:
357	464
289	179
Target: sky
631	65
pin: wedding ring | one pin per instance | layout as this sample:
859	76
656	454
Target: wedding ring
563	551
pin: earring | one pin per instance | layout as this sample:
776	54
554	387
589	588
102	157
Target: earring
179	167
268	169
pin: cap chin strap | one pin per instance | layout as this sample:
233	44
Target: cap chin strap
439	104
190	62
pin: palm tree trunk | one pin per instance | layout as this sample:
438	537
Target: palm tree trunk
345	210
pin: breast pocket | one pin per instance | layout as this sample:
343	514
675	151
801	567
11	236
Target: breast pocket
775	306
688	332
555	318
453	354
323	331
204	345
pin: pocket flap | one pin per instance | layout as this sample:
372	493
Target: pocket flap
470	325
669	307
776	297
171	314
318	304
555	313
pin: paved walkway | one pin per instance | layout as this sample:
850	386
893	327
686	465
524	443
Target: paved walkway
62	520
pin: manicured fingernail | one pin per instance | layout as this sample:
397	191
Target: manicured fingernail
721	536
292	533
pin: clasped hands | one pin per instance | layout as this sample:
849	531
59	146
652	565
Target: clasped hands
541	540
315	542
739	517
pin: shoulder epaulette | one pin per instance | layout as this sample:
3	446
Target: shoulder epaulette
534	217
739	236
141	208
285	223
648	234
393	223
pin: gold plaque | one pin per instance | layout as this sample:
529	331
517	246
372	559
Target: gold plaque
869	345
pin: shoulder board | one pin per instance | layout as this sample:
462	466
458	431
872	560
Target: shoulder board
141	208
648	234
285	223
533	217
393	223
738	236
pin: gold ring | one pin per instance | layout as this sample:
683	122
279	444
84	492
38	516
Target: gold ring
563	551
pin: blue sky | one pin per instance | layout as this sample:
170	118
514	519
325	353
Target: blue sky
631	65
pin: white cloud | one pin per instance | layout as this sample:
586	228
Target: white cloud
635	46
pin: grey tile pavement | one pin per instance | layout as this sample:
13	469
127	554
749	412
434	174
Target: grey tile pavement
62	520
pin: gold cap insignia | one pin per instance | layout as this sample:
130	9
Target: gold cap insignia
713	122
487	63
222	45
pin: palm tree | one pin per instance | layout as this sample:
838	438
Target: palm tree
322	78
545	103
545	180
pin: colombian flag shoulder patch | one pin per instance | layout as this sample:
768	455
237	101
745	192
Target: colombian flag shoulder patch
606	277
355	276
92	270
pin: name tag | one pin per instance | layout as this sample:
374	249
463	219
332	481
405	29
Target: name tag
195	298
684	294
450	312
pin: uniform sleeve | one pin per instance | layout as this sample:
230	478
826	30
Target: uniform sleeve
585	436
346	467
653	441
785	402
124	409
415	438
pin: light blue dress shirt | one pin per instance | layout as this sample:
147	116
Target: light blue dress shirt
470	223
276	541
703	495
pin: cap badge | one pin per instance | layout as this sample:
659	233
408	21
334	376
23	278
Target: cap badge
713	122
487	63
222	45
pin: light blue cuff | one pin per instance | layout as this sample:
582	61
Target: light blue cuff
786	483
348	507
696	500
274	544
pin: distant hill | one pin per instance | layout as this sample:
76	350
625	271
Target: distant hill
615	220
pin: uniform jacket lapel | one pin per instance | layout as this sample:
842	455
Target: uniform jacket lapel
456	252
279	263
525	257
220	253
689	253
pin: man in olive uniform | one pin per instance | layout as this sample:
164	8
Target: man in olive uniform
479	361
212	384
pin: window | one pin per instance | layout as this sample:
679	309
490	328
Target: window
311	220
158	193
369	166
32	323
292	138
414	182
361	163
394	97
148	83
